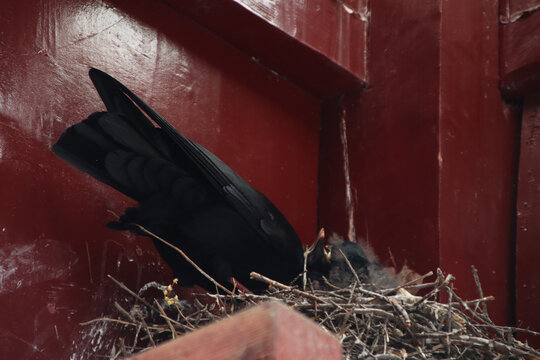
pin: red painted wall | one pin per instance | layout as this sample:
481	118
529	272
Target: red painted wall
520	56
528	220
55	250
395	133
319	45
479	140
432	148
391	141
520	82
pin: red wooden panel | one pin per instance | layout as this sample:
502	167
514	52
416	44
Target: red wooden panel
342	37
520	56
513	10
267	331
388	134
528	220
319	44
431	148
520	77
478	155
54	247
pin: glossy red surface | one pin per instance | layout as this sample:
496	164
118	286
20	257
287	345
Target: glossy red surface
422	164
513	10
340	39
432	150
389	134
520	56
479	144
528	220
55	249
520	80
320	45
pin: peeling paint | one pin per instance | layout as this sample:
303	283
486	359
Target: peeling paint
92	341
2	147
8	334
351	234
362	12
28	264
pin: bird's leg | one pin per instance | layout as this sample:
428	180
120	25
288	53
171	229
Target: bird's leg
237	284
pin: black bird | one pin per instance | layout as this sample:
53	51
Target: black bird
329	261
185	194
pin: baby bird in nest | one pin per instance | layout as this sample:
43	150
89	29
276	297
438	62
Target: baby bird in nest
336	263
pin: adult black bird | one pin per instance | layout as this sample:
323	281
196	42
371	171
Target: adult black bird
186	195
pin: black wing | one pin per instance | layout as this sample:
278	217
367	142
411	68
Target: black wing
185	193
265	219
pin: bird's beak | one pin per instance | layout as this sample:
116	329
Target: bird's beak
327	253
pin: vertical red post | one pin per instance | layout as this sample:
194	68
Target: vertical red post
528	218
431	147
478	155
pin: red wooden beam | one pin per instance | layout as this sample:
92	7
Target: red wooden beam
528	220
320	46
520	78
478	156
520	56
267	331
513	10
424	160
378	162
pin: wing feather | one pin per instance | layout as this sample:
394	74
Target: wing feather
265	219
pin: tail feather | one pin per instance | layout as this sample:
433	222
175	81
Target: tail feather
117	102
152	174
85	147
123	133
134	169
116	164
107	147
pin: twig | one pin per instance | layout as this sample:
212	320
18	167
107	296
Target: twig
408	284
148	232
183	316
349	265
163	315
106	319
145	327
125	288
370	323
264	279
479	288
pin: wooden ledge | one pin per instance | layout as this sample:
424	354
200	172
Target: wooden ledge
267	331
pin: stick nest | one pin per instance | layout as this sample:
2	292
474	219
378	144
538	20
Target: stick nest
370	323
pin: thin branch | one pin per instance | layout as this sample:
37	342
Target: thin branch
148	232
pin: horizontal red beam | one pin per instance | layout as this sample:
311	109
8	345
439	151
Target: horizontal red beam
267	331
520	57
320	46
513	10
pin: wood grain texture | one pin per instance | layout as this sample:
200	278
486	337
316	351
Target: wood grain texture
528	220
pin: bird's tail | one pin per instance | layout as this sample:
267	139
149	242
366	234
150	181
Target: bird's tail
107	147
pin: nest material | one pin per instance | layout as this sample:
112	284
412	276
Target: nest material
369	323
